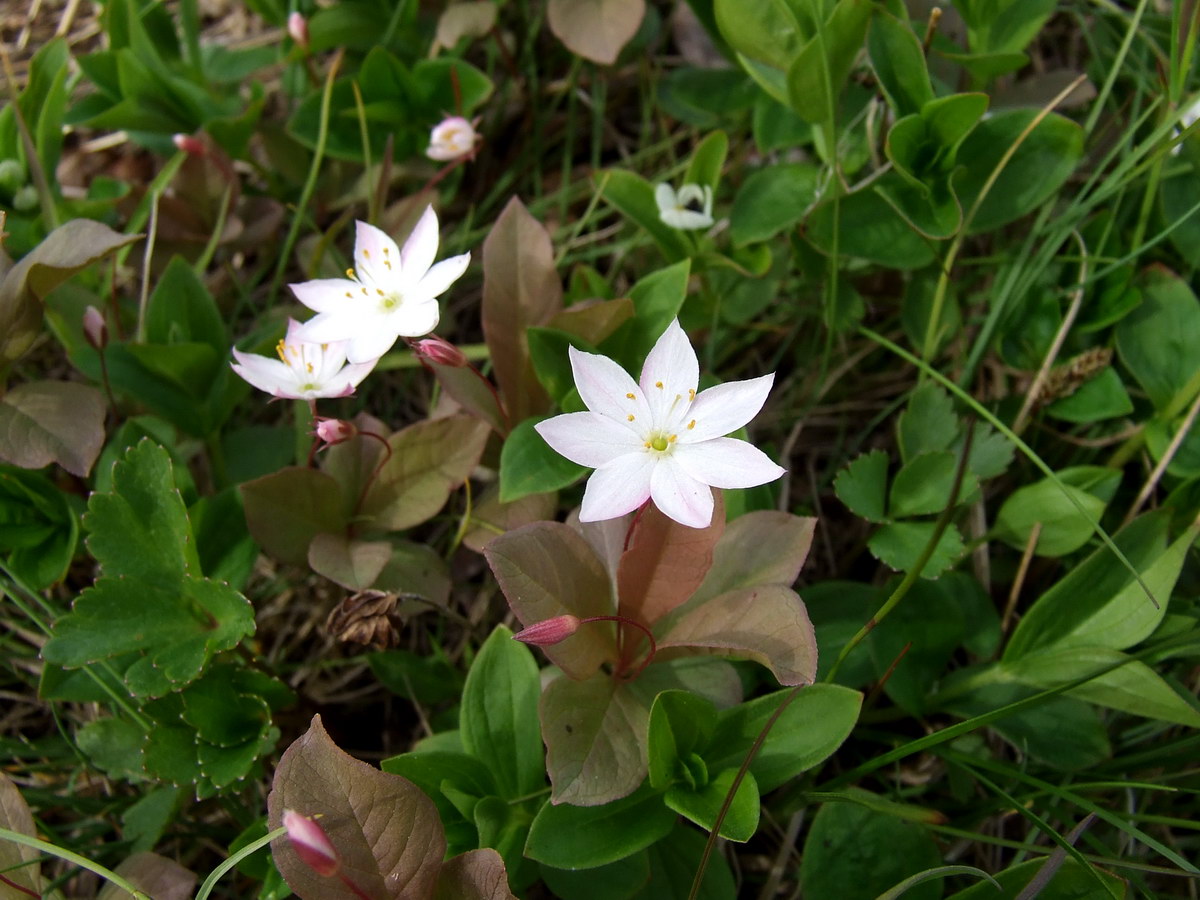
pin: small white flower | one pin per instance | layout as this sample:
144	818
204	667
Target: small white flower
304	371
659	439
388	294
690	209
451	138
1188	118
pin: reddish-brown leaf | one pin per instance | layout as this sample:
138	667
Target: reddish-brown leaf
546	569
287	509
594	320
385	830
52	421
475	875
353	564
762	547
595	29
19	863
665	563
154	875
520	288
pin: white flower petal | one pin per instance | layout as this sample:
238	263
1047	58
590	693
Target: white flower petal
370	345
670	375
618	488
343	383
412	319
725	408
664	196
606	388
588	438
326	294
687	219
694	193
680	496
326	327
421	248
435	282
269	375
727	463
373	251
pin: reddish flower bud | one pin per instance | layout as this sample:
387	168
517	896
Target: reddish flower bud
549	631
334	431
441	351
297	29
192	146
311	843
95	329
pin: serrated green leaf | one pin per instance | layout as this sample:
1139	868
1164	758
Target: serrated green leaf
862	486
928	423
901	544
924	485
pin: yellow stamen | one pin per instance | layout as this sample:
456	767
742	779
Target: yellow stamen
658	384
279	349
379	292
309	367
691	424
630	396
691	393
388	264
385	251
630	417
365	294
350	295
672	438
647	445
366	253
349	273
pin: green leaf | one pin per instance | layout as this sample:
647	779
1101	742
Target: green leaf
899	63
113	745
548	350
657	299
856	853
547	569
181	310
680	724
52	421
901	544
1099	398
584	837
1042	162
1099	603
762	30
914	645
634	197
1063	528
38	528
1154	338
869	227
862	486
708	159
810	730
618	880
1133	687
498	717
674	862
1070	881
703	804
928	423
286	510
816	75
771	200
529	466
924	485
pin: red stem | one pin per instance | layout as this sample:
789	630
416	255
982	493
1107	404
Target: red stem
387	455
640	627
17	887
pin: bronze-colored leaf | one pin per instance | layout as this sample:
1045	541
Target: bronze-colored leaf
594	320
475	875
429	459
19	863
521	288
546	570
155	876
761	547
472	19
354	564
490	518
767	624
52	421
386	831
287	509
595	29
665	563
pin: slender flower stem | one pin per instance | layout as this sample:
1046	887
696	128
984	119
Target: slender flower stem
387	455
640	627
215	876
82	861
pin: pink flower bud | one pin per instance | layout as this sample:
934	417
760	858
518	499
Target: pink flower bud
95	329
297	29
311	843
190	145
441	352
549	631
334	431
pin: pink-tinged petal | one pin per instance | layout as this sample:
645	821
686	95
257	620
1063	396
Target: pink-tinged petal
727	463
269	375
413	319
725	408
368	346
588	439
326	294
421	248
670	375
344	382
373	251
439	278
680	496
608	389
618	488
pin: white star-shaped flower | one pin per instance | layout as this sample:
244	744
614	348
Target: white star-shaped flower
659	439
451	138
388	294
1186	119
690	209
304	370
